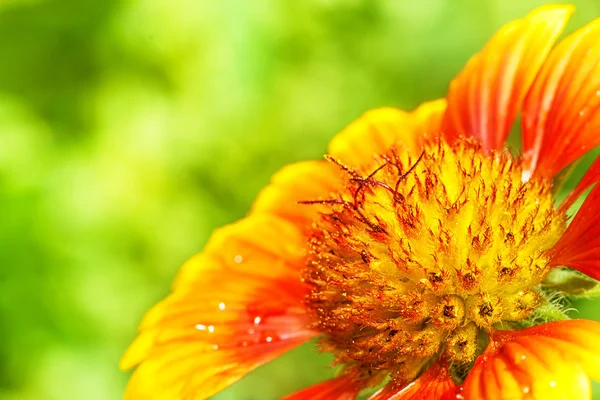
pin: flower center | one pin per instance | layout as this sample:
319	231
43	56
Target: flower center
419	255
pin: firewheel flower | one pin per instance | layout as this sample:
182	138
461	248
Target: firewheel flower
430	261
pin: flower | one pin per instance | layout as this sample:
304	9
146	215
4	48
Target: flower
420	250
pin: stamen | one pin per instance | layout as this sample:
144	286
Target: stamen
413	259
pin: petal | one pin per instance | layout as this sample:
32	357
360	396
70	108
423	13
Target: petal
561	115
234	307
579	246
371	135
434	384
344	387
483	100
377	130
309	180
427	119
592	176
551	360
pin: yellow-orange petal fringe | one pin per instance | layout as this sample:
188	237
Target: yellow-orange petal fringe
344	387
552	360
308	180
434	384
561	114
579	246
377	130
234	307
484	99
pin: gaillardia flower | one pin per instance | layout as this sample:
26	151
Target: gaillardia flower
427	258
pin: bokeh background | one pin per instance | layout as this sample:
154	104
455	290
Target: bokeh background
130	129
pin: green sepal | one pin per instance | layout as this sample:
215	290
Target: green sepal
571	283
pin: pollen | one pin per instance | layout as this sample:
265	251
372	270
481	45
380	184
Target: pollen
419	255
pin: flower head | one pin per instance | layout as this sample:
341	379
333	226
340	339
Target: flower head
420	250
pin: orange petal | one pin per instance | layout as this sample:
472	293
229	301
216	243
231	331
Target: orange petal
377	130
309	180
371	135
561	115
427	119
344	387
579	246
591	177
484	99
434	384
547	361
234	307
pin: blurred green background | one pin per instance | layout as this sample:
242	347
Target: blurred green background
129	130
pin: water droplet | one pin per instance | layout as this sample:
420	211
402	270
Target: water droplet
215	347
526	389
523	357
201	327
251	331
221	306
552	383
238	259
211	328
256	320
245	344
269	339
459	395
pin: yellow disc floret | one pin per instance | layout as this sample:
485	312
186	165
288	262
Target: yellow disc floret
420	254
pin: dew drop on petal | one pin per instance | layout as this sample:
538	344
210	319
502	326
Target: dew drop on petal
238	259
269	339
201	327
221	306
256	320
552	383
526	389
211	328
